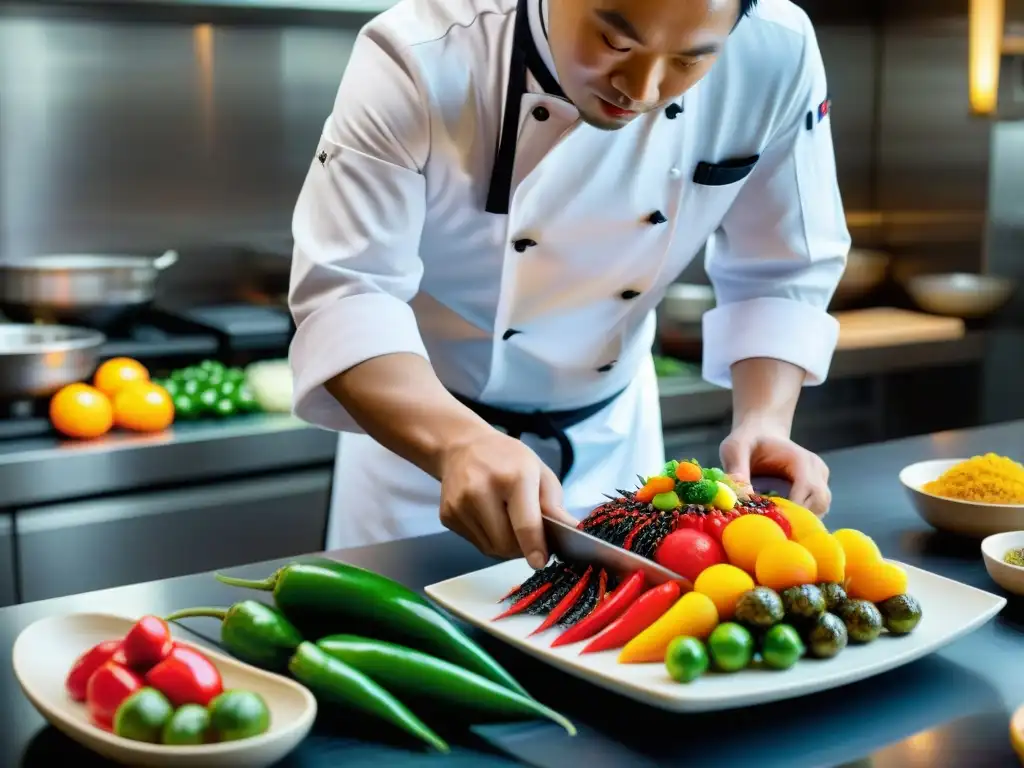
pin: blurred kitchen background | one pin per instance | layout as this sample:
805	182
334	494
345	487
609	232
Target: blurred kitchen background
147	127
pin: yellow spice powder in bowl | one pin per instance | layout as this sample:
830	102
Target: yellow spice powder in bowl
977	496
990	479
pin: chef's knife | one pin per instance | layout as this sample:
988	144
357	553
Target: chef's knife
572	544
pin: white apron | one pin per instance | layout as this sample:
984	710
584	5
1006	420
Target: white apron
528	273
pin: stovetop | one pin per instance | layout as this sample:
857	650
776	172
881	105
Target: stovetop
163	339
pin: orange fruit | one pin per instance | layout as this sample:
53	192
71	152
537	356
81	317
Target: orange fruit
115	373
876	582
803	522
143	407
785	564
81	411
829	555
1017	733
746	536
859	548
725	585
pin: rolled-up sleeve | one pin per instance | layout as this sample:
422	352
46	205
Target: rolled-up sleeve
356	228
778	256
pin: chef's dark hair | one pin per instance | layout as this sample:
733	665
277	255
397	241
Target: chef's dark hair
746	6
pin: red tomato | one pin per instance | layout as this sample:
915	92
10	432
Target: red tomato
147	643
77	680
108	687
688	552
715	523
690	521
186	676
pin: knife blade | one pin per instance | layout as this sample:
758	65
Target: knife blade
572	544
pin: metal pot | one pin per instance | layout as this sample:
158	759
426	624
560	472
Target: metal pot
79	289
37	360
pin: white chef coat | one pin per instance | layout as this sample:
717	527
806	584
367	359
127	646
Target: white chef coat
550	305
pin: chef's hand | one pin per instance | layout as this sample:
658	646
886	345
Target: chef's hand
493	491
752	452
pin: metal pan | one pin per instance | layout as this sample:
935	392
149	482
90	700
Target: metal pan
97	291
37	360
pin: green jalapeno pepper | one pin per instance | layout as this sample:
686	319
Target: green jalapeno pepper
252	631
408	672
324	597
332	680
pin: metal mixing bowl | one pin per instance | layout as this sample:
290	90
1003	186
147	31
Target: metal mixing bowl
37	360
960	294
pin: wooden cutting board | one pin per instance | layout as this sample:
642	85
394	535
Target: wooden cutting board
885	326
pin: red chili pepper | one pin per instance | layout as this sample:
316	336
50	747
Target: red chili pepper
566	602
107	688
648	608
186	677
605	612
77	680
148	642
778	517
523	603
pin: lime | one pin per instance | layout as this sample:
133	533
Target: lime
185	407
141	717
237	714
686	659
208	400
225	407
234	374
731	646
189	725
227	387
245	400
782	647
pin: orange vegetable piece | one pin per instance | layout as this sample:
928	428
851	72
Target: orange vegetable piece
785	564
653	487
829	554
688	472
746	536
115	373
143	407
81	411
724	584
876	582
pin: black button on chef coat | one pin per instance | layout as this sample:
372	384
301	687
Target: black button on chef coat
630	294
523	244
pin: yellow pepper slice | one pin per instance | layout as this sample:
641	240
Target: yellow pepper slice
693	615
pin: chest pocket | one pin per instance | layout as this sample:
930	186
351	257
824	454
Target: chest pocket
724	173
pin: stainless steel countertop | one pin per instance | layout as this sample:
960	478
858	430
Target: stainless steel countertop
45	470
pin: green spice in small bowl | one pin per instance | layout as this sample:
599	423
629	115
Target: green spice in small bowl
1014	557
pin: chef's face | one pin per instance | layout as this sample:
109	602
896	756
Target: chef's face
617	59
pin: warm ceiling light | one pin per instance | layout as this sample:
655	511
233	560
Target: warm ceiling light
984	51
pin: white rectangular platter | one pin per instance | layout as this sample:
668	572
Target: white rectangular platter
949	611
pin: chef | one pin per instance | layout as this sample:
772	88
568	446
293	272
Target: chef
498	200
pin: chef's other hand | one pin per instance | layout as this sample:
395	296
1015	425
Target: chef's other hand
493	491
748	453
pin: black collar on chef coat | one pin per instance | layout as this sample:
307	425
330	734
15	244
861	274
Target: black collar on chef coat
525	59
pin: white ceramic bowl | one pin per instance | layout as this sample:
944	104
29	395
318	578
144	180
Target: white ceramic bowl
45	651
965	518
993	550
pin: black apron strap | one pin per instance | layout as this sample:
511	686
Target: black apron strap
549	425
